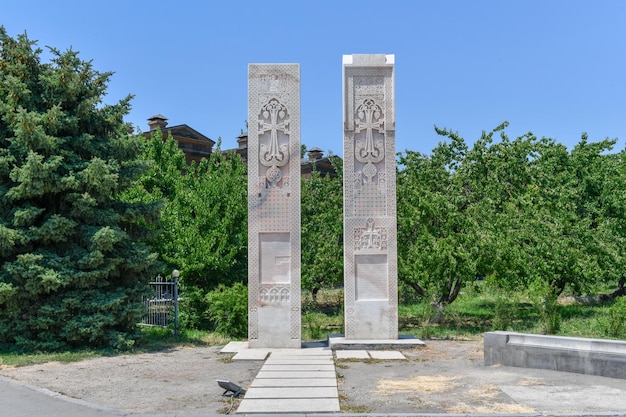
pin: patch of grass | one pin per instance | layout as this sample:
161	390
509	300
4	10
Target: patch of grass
152	339
328	301
350	408
17	359
157	338
476	312
323	315
317	326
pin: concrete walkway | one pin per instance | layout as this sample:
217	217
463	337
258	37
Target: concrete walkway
293	381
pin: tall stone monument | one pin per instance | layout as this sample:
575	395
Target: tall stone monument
370	242
274	206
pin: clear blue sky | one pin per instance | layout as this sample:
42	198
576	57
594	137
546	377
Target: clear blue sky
556	68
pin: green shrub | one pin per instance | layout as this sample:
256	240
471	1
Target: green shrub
504	311
228	310
613	323
549	315
193	307
312	327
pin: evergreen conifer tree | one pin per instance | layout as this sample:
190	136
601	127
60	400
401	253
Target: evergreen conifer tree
72	252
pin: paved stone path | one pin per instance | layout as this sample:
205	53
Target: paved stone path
293	381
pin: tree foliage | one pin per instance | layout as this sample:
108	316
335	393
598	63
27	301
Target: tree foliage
438	238
73	253
322	229
203	224
522	213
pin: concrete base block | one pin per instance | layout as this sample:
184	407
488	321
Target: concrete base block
556	353
338	342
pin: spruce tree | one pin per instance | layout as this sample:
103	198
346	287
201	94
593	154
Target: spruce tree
72	252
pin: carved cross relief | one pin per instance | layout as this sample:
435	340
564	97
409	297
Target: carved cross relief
273	154
369	151
370	237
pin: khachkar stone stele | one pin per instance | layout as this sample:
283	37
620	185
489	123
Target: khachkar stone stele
274	206
370	249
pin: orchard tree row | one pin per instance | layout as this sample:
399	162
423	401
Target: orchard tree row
524	215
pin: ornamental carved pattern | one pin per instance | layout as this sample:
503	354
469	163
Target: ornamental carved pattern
274	295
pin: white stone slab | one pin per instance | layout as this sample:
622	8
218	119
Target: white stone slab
305	361
387	355
234	347
303	382
295	374
251	355
302	352
290	405
296	367
292	392
352	354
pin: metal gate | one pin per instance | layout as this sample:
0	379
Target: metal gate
162	304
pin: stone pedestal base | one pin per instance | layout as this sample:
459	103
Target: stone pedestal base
339	342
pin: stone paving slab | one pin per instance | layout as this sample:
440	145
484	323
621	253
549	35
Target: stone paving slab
234	347
352	354
294	381
295	374
386	355
312	382
289	405
251	355
302	352
298	367
300	361
292	392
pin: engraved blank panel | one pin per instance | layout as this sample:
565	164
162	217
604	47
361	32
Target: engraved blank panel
372	277
275	257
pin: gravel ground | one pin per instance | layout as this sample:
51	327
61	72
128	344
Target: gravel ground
168	382
443	377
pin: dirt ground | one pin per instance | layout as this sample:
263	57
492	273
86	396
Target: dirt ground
443	377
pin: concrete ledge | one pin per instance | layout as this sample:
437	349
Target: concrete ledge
338	342
556	353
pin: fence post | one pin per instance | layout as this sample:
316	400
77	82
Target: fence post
175	275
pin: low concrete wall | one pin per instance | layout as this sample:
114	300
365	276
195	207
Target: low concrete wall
565	354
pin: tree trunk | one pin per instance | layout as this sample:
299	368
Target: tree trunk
438	312
416	287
